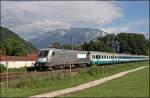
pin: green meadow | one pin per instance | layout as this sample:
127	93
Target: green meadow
134	84
37	85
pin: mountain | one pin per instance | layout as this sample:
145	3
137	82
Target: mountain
11	42
64	36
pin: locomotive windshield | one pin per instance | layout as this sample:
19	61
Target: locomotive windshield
43	53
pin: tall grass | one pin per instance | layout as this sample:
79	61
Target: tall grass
37	81
42	81
2	68
22	69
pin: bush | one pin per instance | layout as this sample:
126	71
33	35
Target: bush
21	69
93	70
2	68
32	68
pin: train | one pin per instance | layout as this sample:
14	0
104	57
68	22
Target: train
52	58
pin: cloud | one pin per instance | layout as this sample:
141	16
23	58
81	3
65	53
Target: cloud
131	26
26	18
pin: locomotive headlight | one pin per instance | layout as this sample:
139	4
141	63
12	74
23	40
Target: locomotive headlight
41	60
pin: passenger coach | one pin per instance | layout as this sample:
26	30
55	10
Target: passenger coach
112	58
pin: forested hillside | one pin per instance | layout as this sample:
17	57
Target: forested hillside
130	43
11	44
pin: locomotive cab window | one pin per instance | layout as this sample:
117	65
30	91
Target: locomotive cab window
43	53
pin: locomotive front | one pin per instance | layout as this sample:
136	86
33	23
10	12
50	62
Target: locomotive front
43	59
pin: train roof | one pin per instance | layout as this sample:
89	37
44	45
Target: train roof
95	52
109	53
59	49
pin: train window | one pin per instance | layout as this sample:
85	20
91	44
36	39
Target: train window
104	56
53	53
99	56
93	56
96	56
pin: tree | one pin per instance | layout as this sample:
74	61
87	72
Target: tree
130	43
13	47
133	43
91	46
85	46
55	45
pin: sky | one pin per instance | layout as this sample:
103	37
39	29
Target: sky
30	19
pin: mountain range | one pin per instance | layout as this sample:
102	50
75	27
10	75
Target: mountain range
67	36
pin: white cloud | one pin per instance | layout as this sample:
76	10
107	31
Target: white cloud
36	16
131	26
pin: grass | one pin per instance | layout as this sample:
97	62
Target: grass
3	69
135	84
22	69
37	85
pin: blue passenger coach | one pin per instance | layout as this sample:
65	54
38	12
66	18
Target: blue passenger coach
111	58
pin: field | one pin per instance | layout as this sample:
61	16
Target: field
37	85
135	84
